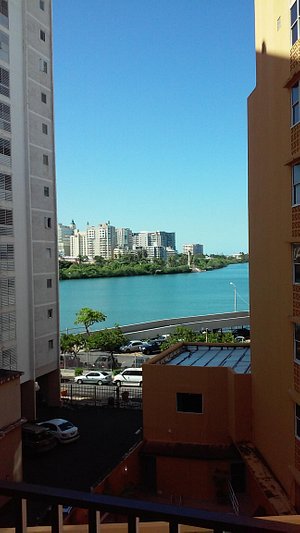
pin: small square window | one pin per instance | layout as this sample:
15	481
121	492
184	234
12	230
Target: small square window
44	98
50	313
42	5
49	283
42	35
45	159
189	403
46	191
45	128
48	252
50	344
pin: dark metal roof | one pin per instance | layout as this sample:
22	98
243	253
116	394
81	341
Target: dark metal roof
231	356
8	375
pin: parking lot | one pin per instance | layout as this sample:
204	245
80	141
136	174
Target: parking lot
105	436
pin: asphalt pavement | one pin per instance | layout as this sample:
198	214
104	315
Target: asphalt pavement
106	434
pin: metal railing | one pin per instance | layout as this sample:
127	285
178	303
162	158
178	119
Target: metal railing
102	395
233	499
134	511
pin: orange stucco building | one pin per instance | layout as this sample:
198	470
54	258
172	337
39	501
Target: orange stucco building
10	427
274	216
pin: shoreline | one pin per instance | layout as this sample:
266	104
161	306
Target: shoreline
88	272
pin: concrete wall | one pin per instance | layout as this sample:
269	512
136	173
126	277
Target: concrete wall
222	415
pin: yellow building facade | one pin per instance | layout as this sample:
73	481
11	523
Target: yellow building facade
274	222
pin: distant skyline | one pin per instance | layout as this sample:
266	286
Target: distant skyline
151	116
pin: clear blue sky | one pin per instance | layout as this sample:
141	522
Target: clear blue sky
151	116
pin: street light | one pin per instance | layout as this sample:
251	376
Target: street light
234	296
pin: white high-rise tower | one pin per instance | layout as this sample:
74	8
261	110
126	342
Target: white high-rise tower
28	228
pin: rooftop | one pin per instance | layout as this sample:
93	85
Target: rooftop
232	356
8	375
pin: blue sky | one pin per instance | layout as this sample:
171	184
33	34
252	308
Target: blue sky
151	116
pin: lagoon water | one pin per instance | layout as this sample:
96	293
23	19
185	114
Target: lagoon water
129	300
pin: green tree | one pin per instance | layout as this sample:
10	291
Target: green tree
88	317
71	343
108	340
99	260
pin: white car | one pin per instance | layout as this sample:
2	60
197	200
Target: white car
130	376
132	346
63	430
94	377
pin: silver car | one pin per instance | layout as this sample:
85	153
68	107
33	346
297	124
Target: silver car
132	346
63	430
95	377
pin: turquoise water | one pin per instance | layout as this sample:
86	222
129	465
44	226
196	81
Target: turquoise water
131	300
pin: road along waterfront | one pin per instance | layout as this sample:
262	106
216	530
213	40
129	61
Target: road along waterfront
132	300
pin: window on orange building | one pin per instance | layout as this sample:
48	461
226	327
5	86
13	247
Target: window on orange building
296	262
297	420
294	11
297	342
189	403
296	184
295	106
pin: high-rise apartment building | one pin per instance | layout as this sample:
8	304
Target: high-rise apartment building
192	249
124	238
78	244
142	239
28	228
63	238
274	212
105	240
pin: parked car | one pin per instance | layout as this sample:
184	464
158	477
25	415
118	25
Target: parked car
130	376
243	332
161	338
63	430
95	377
132	346
106	361
150	347
37	439
239	338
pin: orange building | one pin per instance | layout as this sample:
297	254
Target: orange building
274	215
198	446
10	427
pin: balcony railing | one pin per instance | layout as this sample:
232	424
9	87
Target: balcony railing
134	510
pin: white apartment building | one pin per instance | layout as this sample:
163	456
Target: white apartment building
192	249
90	241
29	321
143	239
105	240
140	240
78	244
